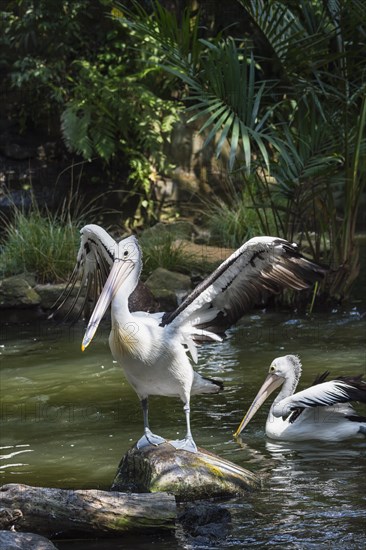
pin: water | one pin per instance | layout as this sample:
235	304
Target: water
68	417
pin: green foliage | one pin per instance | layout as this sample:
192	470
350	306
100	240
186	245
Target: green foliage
220	81
321	76
289	101
233	219
40	243
284	104
99	120
74	63
165	249
38	42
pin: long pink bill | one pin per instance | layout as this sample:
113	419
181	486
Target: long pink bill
118	274
271	383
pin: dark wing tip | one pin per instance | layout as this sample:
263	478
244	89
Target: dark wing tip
355	418
320	378
355	387
218	383
267	275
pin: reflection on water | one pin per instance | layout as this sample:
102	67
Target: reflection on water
67	418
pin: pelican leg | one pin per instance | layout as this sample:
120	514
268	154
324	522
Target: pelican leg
186	444
148	438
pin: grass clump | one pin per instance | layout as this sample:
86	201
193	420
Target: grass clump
235	219
165	249
231	224
41	243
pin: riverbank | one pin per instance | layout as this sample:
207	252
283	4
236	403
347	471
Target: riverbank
23	299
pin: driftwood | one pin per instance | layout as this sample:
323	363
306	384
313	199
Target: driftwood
186	475
158	476
64	512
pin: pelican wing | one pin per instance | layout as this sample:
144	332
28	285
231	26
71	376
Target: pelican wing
319	379
340	390
259	268
94	260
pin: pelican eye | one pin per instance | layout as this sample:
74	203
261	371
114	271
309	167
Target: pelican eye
272	368
125	254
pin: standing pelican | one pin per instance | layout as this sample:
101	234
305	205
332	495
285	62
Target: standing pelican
321	412
152	348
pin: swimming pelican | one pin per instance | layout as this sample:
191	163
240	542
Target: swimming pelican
152	348
321	412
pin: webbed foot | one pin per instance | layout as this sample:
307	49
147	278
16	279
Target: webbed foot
149	439
186	444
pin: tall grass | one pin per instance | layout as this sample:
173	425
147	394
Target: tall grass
40	243
233	219
165	249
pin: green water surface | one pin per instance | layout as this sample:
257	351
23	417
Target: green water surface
68	417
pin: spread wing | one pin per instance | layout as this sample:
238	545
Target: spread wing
260	267
94	260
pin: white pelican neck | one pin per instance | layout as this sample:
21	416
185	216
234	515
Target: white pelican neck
289	367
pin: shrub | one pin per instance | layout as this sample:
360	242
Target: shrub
40	243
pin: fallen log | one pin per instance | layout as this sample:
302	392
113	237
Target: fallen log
49	511
188	476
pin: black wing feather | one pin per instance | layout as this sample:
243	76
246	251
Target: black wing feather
261	267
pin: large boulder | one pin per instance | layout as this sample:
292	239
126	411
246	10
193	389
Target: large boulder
49	294
168	287
16	292
188	476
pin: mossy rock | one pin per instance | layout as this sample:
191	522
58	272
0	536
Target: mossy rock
16	292
49	293
188	476
168	287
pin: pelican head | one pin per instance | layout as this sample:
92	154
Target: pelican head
286	368
126	269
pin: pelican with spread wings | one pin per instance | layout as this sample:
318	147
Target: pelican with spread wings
153	348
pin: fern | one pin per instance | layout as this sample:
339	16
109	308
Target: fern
75	123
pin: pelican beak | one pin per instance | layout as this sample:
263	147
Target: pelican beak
271	383
118	274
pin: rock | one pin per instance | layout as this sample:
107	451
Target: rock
18	316
168	287
9	517
10	540
16	292
188	476
30	278
205	522
49	294
178	230
142	299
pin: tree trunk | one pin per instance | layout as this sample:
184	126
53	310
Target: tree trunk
49	511
188	476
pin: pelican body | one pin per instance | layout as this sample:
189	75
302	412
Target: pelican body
321	412
153	349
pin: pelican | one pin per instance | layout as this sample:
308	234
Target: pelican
153	348
322	412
